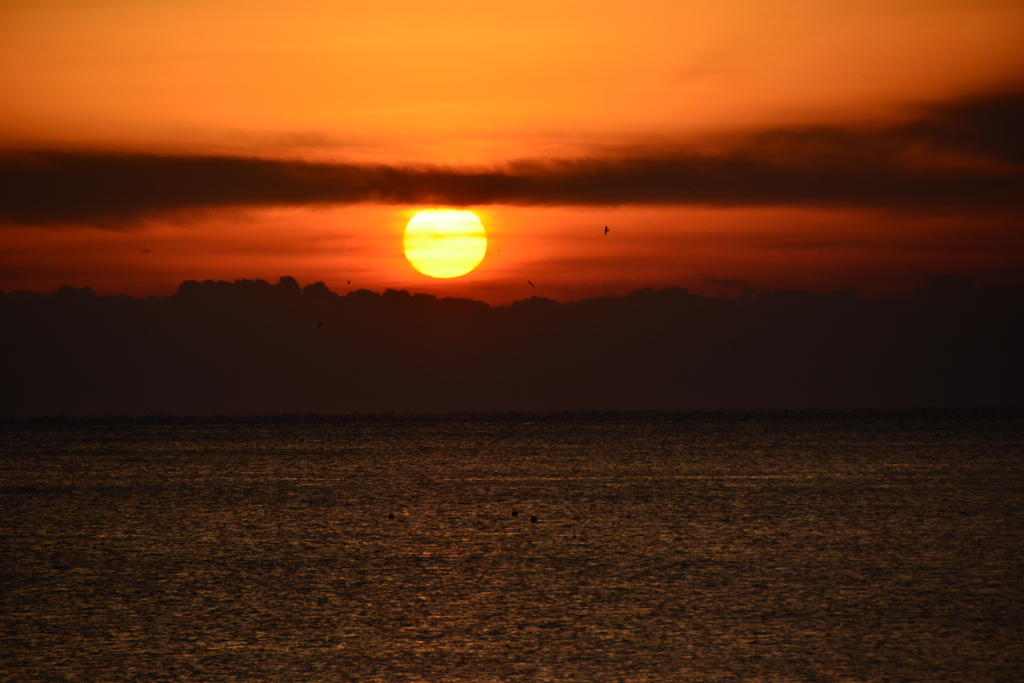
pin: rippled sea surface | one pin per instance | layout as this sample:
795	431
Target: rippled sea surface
713	547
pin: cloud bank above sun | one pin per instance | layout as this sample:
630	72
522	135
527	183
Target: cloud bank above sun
965	155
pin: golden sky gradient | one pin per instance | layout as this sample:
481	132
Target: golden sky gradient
480	85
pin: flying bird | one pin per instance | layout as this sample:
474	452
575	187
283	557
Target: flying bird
530	283
319	324
348	282
606	229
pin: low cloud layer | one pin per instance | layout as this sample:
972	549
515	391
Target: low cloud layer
252	347
968	155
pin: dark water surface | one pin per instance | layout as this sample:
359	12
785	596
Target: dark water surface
718	547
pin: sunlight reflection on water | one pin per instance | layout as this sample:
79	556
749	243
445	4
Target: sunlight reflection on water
788	547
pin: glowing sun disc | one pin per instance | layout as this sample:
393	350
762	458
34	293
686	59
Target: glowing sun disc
445	242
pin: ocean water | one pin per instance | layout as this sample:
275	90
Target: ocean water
691	547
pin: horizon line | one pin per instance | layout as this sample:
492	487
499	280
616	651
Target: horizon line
950	283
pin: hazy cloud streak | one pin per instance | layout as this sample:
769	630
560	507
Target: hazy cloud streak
969	156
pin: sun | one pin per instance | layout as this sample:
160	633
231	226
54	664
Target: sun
445	242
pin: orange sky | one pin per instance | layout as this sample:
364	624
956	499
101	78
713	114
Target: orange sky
469	83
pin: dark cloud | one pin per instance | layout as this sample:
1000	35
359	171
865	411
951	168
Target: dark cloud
967	155
252	347
981	127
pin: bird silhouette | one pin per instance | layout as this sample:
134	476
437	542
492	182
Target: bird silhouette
319	324
606	229
530	283
348	282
